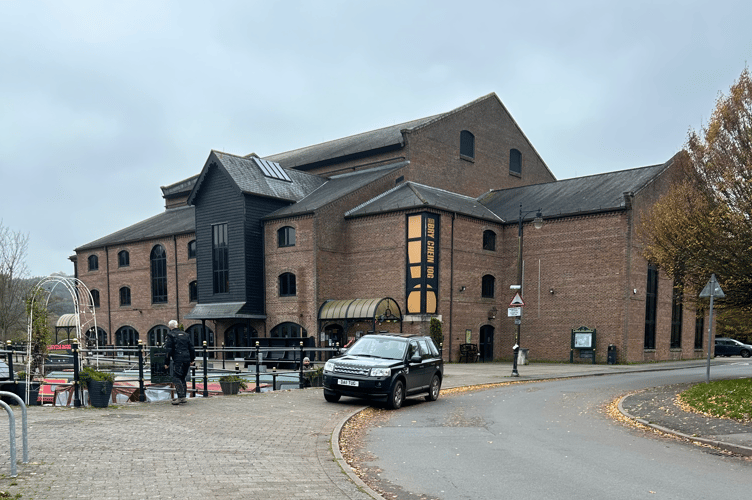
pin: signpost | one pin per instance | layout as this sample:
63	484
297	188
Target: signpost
712	290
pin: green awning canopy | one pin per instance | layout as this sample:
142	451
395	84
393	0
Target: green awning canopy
383	308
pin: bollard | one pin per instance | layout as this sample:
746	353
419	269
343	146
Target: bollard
141	388
336	347
11	375
206	373
76	383
193	380
24	426
258	363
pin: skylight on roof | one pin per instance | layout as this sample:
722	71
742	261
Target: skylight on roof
272	170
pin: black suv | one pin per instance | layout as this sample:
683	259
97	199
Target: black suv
730	347
386	367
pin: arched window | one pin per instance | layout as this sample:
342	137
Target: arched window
467	145
193	291
487	286
158	260
126	336
95	297
489	240
192	249
515	161
286	285
198	334
286	236
287	330
125	296
100	338
93	262
124	258
157	335
238	335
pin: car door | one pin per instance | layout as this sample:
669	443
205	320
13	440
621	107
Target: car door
721	348
430	361
416	373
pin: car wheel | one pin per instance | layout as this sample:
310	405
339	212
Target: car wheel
397	396
332	397
745	353
433	389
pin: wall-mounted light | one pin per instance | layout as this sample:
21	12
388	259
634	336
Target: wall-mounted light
634	291
551	291
462	289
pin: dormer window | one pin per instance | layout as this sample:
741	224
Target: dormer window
467	145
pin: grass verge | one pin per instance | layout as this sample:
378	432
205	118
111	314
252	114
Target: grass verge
723	398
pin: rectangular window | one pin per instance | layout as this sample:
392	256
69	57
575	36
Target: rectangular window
651	304
699	328
676	317
220	258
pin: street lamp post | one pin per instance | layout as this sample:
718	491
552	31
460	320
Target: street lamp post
537	223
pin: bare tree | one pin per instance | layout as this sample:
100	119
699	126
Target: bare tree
14	282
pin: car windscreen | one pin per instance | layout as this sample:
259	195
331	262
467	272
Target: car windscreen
379	348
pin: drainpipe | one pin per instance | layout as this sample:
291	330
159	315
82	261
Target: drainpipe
451	287
628	203
177	283
109	302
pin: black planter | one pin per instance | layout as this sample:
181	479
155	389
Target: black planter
229	388
20	389
100	393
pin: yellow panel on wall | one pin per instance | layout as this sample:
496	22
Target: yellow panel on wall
414	226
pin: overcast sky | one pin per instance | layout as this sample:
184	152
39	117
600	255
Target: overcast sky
101	103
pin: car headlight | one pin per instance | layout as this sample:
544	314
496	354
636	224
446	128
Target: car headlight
381	372
329	366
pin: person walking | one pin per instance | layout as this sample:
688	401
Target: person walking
180	350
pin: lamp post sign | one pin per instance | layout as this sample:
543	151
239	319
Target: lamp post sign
712	290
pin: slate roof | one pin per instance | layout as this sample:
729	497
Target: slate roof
576	196
182	187
410	195
386	138
172	221
250	179
334	188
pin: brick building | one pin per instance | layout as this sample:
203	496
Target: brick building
383	231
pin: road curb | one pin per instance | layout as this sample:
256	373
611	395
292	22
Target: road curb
346	469
733	448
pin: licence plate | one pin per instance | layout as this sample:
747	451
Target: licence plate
352	383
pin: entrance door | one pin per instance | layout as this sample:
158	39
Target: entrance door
485	344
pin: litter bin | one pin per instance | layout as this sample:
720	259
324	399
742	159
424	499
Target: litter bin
611	359
522	356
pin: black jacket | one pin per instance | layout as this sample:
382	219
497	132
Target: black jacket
179	347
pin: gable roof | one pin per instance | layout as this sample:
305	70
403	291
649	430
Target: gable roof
379	140
335	188
411	195
247	173
576	196
172	221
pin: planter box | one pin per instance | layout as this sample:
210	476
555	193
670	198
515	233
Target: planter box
229	388
100	393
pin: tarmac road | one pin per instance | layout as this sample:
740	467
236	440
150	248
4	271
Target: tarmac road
549	440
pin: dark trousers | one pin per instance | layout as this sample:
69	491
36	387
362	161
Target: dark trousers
179	373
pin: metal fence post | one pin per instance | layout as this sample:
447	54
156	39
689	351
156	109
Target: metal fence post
11	375
76	382
258	368
223	355
141	388
206	373
301	383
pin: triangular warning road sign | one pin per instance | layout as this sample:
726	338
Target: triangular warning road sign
517	301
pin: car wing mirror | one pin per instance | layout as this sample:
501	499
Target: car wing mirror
416	359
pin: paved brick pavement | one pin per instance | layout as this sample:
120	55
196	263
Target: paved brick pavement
273	445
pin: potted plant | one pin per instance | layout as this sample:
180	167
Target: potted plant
314	377
99	385
231	384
